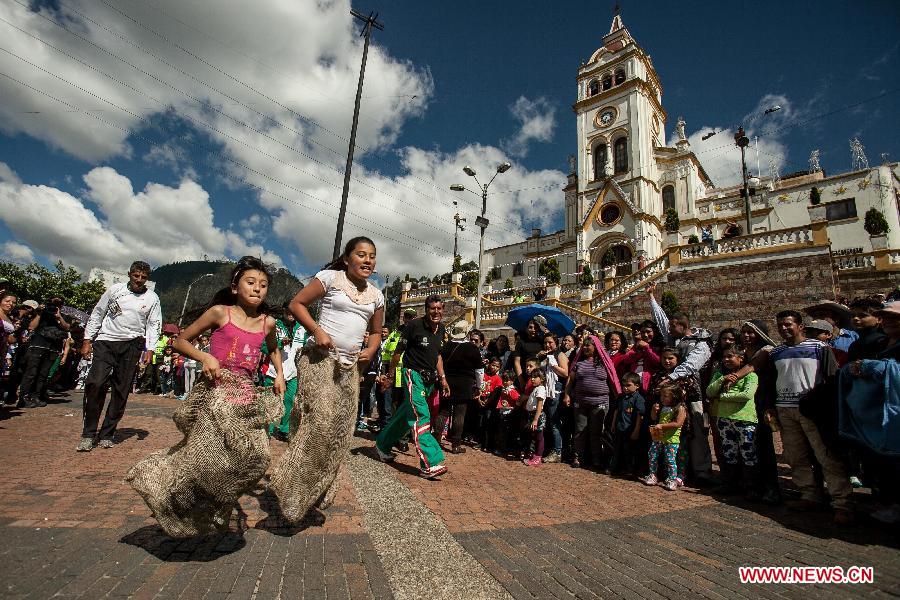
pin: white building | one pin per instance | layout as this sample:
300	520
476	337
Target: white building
624	178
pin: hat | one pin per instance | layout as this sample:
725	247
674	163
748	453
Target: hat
30	304
409	311
891	309
819	325
459	330
844	317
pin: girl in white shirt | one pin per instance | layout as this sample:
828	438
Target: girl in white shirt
328	377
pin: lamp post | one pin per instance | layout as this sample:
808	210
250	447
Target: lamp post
459	227
742	141
482	223
187	295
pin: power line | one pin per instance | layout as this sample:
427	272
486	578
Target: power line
240	164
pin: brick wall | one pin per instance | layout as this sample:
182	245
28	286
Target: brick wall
854	284
725	295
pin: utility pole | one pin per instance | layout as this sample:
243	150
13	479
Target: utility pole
371	21
456	231
742	141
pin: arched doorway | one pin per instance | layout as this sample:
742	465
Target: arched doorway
616	253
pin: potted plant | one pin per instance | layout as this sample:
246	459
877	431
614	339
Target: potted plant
693	239
549	270
815	196
508	284
877	227
672	223
586	278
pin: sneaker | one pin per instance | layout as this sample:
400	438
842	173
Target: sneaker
670	485
433	472
361	426
105	444
402	446
534	461
649	479
576	464
553	457
855	482
679	482
86	445
384	456
457	449
40	403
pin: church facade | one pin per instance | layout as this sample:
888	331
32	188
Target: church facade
624	178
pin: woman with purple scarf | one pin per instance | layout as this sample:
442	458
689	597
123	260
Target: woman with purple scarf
592	383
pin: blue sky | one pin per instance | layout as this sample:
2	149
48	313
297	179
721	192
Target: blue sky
448	84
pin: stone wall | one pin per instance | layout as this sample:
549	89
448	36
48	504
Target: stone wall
865	282
724	294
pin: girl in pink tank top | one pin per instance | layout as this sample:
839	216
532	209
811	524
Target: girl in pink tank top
238	315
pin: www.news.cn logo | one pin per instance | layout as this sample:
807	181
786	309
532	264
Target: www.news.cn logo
835	574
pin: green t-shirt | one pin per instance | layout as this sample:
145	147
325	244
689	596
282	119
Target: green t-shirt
738	402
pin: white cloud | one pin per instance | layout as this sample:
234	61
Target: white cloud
538	119
302	53
722	159
160	224
16	252
7	175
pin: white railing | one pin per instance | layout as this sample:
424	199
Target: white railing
854	261
630	283
570	289
743	243
423	292
894	257
495	313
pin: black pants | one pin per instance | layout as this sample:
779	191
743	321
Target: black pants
113	367
38	362
626	455
457	407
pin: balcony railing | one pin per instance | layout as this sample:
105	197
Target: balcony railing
631	283
854	261
758	241
423	292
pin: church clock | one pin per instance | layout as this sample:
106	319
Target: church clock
606	117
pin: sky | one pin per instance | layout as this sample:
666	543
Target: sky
165	131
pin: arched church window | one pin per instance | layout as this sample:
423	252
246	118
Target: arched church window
620	155
607	82
623	260
593	88
600	158
620	76
668	198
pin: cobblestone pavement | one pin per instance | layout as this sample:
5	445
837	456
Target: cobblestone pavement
491	529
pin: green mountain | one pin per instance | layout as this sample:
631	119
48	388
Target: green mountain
172	283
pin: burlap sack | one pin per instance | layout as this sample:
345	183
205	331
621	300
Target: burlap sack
322	424
192	487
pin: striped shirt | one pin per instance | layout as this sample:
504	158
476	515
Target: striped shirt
799	369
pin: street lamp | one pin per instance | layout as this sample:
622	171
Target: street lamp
482	223
742	141
187	294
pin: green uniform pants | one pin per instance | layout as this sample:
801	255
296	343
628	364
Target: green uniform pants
290	390
412	416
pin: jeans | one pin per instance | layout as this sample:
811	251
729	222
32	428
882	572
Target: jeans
554	424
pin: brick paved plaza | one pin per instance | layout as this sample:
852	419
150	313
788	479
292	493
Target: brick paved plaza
491	529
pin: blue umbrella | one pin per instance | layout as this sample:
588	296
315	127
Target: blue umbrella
557	321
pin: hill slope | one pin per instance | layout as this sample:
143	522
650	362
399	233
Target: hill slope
172	283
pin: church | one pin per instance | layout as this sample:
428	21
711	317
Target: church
624	181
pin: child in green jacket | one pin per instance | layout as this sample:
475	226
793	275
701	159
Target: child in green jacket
734	410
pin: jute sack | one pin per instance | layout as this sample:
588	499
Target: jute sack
322	424
192	487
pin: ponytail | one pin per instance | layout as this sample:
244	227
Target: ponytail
340	263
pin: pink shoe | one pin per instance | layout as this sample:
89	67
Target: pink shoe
534	461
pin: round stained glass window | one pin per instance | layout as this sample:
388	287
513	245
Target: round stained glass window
610	213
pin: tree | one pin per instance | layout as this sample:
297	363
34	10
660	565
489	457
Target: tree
609	258
549	269
815	196
37	282
875	223
586	278
669	303
457	263
470	282
672	221
508	284
693	239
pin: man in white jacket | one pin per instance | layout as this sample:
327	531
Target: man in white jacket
124	328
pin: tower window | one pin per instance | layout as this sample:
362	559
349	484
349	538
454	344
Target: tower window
620	154
668	198
841	209
607	82
620	76
600	158
593	88
518	270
